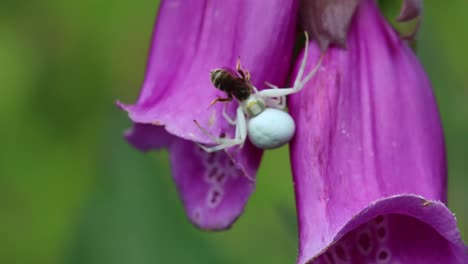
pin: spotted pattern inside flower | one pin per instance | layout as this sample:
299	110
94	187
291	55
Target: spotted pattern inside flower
218	170
366	244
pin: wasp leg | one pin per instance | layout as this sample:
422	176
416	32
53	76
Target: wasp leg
228	99
238	65
239	68
245	74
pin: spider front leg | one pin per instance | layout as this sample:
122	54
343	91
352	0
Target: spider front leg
298	82
223	143
275	102
231	121
254	89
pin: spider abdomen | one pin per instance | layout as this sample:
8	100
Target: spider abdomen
271	129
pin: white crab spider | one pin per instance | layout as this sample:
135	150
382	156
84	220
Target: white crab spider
261	116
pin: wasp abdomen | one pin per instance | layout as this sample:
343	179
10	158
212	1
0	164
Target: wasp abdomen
223	78
233	84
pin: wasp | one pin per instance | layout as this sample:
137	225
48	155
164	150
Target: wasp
236	84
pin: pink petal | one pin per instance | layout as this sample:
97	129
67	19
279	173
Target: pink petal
214	189
190	39
327	20
398	229
410	10
368	133
147	137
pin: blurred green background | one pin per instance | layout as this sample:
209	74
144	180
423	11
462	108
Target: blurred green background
72	191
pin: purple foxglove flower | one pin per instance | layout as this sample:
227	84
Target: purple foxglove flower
368	157
328	20
410	10
190	39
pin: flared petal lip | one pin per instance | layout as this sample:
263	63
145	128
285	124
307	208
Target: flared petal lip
433	213
168	126
212	187
234	155
222	227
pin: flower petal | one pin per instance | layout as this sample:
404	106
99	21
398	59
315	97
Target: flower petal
193	37
398	229
409	10
214	189
146	137
190	39
367	129
327	20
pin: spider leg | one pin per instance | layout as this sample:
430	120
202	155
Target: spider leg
303	63
298	84
223	143
275	102
221	146
226	116
254	89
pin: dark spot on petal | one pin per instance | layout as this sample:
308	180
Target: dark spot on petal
197	215
215	197
222	135
341	253
379	219
220	177
383	255
330	258
213	173
211	158
381	232
364	242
